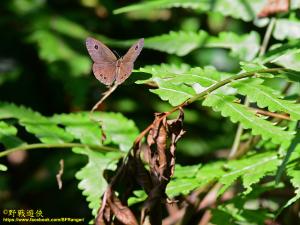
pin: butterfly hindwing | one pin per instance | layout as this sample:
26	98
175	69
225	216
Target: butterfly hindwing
124	72
105	72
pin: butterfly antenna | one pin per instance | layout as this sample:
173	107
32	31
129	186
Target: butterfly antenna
116	53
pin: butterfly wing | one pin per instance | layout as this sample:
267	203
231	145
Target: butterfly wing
99	52
104	67
134	51
105	72
126	64
124	72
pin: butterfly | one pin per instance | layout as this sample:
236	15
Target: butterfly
107	68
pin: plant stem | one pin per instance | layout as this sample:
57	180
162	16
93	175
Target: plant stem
208	91
105	96
62	145
228	80
267	37
262	51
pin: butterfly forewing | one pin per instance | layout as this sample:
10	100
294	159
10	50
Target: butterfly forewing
134	51
105	72
99	52
127	61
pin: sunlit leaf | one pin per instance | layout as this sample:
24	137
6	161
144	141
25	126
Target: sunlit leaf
91	177
245	10
240	113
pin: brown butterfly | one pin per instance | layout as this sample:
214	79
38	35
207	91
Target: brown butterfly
107	68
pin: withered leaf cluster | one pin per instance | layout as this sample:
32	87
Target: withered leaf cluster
150	166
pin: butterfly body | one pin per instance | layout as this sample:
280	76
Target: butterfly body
107	68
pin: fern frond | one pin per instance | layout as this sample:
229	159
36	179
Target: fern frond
181	43
245	47
245	10
240	113
43	128
267	97
92	183
288	28
8	136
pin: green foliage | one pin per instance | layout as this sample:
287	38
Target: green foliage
92	182
230	214
3	167
177	85
265	96
251	169
293	168
181	43
47	66
238	112
45	130
76	127
245	10
83	127
8	135
287	28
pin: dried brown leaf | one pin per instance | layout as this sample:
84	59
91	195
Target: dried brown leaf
161	144
122	212
273	7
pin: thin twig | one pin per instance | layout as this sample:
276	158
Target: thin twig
60	173
271	114
237	138
105	95
267	37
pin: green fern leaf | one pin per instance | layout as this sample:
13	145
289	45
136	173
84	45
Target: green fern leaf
289	60
184	180
118	129
175	94
160	4
287	28
286	55
8	136
182	186
56	49
91	177
178	87
245	10
3	167
229	214
180	43
43	128
183	183
267	97
251	169
293	171
244	46
247	118
161	70
81	127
